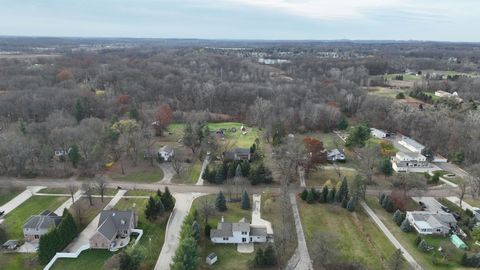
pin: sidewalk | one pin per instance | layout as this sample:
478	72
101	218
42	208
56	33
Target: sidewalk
390	237
84	237
18	200
465	205
68	203
204	166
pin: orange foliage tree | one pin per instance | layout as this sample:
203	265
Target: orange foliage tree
316	153
64	75
163	117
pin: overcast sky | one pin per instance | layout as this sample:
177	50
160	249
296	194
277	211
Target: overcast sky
443	20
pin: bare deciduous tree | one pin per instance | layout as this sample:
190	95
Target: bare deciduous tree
101	185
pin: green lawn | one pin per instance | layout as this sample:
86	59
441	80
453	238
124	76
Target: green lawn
385	92
140	192
35	205
330	140
434	98
228	257
55	191
359	239
190	174
18	261
143	176
95	259
6	194
407	240
322	175
406	77
473	202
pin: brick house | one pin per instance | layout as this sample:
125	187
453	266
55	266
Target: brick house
38	225
114	229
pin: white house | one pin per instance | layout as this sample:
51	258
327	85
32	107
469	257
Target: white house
431	222
445	94
238	233
411	145
165	153
336	155
378	133
403	162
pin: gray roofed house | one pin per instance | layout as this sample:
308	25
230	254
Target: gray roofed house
238	233
114	229
237	154
38	225
431	222
336	155
411	145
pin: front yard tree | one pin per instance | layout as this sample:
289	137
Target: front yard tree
186	256
331	195
151	209
397	261
74	155
343	124
310	197
304	194
206	209
101	186
167	200
385	167
88	190
342	191
398	217
245	201
352	204
324	194
406	227
163	117
220	202
160	209
269	257
132	258
196	230
316	154
358	136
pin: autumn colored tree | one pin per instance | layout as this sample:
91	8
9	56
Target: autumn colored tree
163	117
123	99
316	154
64	75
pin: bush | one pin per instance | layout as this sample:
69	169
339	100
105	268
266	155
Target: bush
352	203
381	198
311	197
208	228
418	239
400	95
469	213
304	194
398	217
406	226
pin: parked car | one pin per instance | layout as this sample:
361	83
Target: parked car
444	208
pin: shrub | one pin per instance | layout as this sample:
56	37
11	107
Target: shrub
398	217
423	246
406	226
304	194
400	95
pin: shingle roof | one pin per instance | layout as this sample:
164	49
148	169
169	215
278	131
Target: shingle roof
434	219
224	229
113	221
44	220
258	231
413	143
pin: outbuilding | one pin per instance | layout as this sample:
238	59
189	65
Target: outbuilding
211	258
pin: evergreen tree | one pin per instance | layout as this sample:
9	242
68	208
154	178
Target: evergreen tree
23	127
406	226
168	200
358	136
418	239
352	203
269	257
79	111
345	202
238	171
259	258
342	191
343	124
151	209
160	209
159	193
396	262
398	217
331	195
245	166
74	155
195	230
382	197
423	246
304	194
310	197
245	203
231	168
186	256
220	202
385	167
131	258
324	195
220	175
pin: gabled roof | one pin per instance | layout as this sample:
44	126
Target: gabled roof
224	229
412	143
165	149
434	219
112	221
44	220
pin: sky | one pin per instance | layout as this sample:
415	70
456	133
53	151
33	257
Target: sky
437	20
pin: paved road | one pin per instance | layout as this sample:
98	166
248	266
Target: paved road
464	206
84	237
304	263
390	237
68	203
204	166
301	176
183	202
18	200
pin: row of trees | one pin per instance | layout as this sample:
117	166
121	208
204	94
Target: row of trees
58	238
156	206
186	256
331	195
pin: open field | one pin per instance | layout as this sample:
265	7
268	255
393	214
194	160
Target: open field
330	140
51	190
408	239
6	194
322	175
228	257
406	76
385	92
140	192
35	205
358	238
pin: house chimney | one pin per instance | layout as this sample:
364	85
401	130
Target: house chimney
222	219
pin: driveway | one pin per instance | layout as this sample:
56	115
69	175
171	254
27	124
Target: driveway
84	237
465	205
390	237
183	203
301	176
168	172
256	215
18	200
68	203
301	254
204	166
430	202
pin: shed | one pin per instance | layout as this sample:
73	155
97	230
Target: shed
458	242
10	245
211	258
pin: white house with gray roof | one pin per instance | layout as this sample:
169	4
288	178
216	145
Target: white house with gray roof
114	229
431	222
411	145
38	225
238	233
411	161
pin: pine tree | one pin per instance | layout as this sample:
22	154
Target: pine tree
159	193
331	195
342	191
151	209
352	203
220	175
220	202
304	194
245	203
74	155
398	217
406	226
385	167
343	124
238	171
195	230
269	257
345	202
159	208
418	239
324	195
310	197
423	246
167	200
382	197
186	256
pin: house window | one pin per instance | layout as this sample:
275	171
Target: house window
125	231
244	239
225	238
37	236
